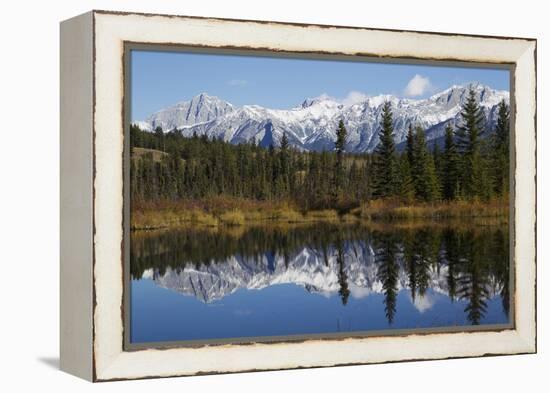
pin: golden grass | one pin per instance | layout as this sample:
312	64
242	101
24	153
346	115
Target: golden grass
349	218
286	215
392	210
233	217
154	219
157	155
238	213
327	214
202	218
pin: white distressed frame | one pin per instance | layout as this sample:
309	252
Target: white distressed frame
110	31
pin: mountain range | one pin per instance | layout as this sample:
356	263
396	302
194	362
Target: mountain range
317	272
311	126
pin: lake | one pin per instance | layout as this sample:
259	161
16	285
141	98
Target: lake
281	280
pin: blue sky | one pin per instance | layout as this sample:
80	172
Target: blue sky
161	79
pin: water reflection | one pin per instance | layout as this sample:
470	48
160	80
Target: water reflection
465	269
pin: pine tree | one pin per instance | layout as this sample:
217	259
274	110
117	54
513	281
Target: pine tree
469	132
284	180
406	185
432	182
501	150
410	145
423	169
450	162
344	290
385	162
473	283
438	163
284	144
388	272
159	134
338	175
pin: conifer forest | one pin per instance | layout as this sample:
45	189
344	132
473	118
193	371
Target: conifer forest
470	164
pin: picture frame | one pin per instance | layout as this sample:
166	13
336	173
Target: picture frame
94	185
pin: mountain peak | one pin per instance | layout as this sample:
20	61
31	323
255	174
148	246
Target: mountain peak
312	124
199	109
323	98
455	94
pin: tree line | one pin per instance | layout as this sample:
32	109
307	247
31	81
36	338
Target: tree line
469	165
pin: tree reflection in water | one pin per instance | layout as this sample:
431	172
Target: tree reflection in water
466	263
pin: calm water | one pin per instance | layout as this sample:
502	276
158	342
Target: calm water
272	281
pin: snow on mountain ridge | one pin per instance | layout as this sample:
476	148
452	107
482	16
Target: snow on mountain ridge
315	272
312	125
200	109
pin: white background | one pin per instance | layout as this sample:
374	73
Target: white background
29	196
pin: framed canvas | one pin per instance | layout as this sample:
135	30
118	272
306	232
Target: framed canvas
246	195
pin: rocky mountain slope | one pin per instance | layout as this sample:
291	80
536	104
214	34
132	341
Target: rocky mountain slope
312	125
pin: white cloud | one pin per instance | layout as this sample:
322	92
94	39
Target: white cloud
324	96
417	86
237	82
358	292
354	97
423	303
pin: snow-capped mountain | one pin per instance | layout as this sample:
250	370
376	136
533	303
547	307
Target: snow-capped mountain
312	125
310	268
199	110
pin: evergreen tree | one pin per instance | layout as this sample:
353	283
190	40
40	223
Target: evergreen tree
410	145
385	162
343	291
355	182
438	163
283	181
159	134
451	246
284	143
406	185
450	164
338	175
421	258
469	133
433	190
388	272
501	150
473	281
423	169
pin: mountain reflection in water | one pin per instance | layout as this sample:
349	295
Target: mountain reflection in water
450	276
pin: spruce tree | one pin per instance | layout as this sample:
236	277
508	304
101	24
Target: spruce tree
501	150
159	134
450	162
344	290
410	145
438	162
385	163
423	170
354	182
284	181
284	143
406	185
388	272
433	191
469	133
339	148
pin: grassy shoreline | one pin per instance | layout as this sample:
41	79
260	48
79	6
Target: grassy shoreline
236	212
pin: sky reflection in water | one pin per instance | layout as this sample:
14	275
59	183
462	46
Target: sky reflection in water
275	281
